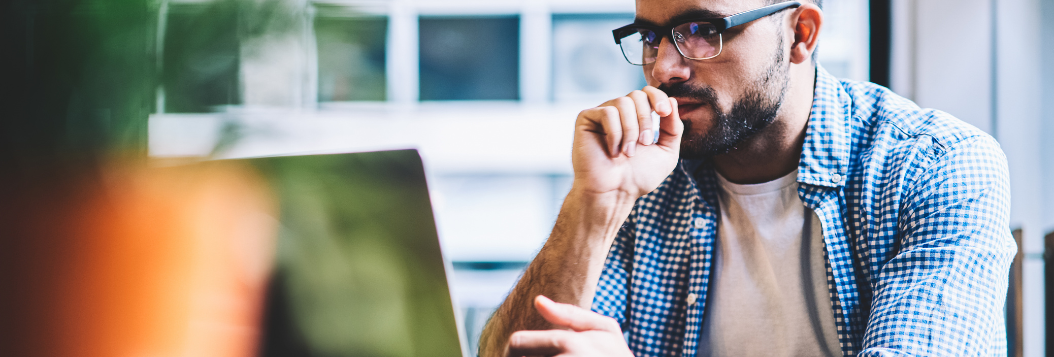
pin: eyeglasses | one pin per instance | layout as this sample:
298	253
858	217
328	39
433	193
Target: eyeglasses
698	39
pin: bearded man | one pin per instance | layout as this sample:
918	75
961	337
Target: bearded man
778	211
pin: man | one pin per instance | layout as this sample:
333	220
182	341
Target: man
779	211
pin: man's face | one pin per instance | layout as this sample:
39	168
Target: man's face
727	99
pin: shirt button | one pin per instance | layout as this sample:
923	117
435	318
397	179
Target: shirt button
691	299
699	223
836	178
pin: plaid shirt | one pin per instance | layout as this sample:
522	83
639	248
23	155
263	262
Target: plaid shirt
914	206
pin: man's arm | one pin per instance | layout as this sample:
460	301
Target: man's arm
611	172
566	269
943	293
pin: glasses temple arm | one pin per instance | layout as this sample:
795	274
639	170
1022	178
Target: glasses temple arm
745	17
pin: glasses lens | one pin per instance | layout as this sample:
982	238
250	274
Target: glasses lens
641	46
697	40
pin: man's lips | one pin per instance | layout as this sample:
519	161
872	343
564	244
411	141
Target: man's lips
685	106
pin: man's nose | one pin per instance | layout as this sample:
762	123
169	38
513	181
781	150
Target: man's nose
670	66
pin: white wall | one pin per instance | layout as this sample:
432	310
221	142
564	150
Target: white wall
1019	128
1047	145
942	56
1047	75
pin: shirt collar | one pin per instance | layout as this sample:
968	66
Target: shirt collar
825	152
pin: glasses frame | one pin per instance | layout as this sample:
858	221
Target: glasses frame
720	23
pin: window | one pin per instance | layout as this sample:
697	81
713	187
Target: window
469	58
587	64
201	57
844	42
351	56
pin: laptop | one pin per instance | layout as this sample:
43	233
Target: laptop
359	270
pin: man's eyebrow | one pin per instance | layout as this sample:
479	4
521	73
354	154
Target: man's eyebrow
694	14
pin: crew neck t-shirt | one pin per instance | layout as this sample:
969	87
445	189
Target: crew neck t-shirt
768	292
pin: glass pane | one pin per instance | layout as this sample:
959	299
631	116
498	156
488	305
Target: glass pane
201	57
351	57
698	40
470	58
587	64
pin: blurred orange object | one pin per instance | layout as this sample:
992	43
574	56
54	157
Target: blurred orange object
133	261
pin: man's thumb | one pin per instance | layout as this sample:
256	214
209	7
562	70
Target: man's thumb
573	317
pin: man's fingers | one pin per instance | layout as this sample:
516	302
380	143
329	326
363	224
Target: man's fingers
642	104
603	120
612	127
628	113
539	343
628	121
671	128
661	107
573	317
660	102
593	335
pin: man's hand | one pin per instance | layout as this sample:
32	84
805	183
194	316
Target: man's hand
589	334
615	162
613	150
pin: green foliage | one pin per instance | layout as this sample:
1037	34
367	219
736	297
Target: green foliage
79	78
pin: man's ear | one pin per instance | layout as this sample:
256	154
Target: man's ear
807	21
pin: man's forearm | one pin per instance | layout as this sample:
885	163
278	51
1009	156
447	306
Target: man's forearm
566	269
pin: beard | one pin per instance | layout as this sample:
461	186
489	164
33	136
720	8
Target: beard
750	113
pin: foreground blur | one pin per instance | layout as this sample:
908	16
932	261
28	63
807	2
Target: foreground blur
123	260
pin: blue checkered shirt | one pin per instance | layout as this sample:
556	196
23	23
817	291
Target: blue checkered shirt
914	206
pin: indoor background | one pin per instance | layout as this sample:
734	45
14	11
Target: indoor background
488	91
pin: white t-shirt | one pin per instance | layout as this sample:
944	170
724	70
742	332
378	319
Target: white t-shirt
768	292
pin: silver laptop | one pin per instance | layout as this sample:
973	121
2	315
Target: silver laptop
359	268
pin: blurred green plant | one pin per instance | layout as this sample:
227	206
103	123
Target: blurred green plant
79	78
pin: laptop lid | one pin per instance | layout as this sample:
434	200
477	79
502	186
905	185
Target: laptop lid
359	267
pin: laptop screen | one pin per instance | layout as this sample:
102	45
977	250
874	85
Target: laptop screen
359	268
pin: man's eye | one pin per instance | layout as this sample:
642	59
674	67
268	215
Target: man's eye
704	30
648	36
